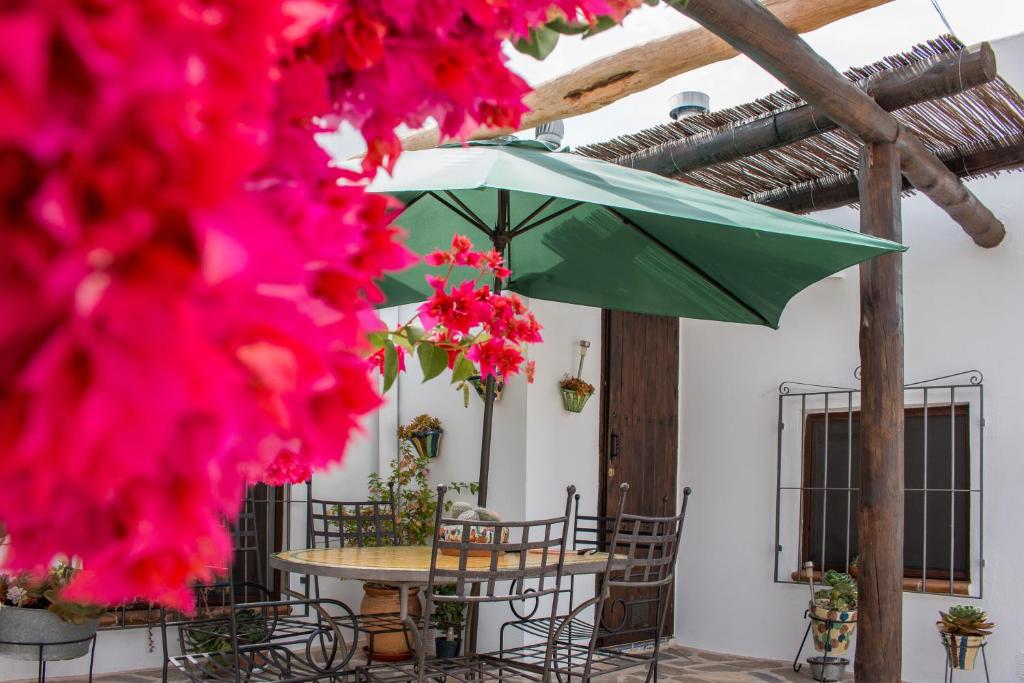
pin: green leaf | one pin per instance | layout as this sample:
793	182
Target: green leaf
567	28
539	43
463	370
415	334
433	360
378	338
390	364
405	344
600	25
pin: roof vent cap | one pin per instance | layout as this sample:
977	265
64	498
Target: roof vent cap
688	103
551	133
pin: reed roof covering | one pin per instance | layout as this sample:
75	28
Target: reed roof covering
986	117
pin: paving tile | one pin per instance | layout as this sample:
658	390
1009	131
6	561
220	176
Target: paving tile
678	665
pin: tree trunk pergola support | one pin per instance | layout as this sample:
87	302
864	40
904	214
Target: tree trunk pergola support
610	78
754	30
892	90
880	512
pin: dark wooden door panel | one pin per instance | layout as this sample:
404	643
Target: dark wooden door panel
639	431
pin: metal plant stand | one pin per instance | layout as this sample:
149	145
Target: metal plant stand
947	673
41	672
797	664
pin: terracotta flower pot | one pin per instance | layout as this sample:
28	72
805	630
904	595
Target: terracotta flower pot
427	443
573	401
962	650
832	629
387	647
26	625
483	533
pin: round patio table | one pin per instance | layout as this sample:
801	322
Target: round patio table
409	565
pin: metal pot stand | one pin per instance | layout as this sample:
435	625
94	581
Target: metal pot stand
41	672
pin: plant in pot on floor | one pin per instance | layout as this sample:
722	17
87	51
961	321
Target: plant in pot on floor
33	611
424	433
415	499
449	619
834	613
963	630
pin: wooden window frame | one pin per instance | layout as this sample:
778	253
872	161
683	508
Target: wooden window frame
937	581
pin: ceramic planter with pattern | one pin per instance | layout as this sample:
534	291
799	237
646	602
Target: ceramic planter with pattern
427	443
832	629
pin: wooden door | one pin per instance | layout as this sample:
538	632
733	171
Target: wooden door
640	435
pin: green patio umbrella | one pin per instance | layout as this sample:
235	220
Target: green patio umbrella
588	232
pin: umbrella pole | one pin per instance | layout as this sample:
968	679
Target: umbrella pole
499	239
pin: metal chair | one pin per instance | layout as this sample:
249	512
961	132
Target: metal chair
365	523
524	552
649	547
593	533
242	629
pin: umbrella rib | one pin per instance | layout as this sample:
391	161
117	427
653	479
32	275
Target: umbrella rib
525	228
462	205
470	218
692	266
534	213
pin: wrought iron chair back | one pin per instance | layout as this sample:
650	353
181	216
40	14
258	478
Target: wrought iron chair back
646	549
536	549
341	524
249	625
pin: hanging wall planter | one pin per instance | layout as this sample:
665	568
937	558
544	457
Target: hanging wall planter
575	391
424	432
427	443
480	386
573	400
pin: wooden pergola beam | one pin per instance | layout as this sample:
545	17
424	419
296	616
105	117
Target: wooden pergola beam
909	85
841	194
606	80
754	30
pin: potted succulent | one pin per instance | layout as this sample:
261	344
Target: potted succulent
449	619
415	499
833	611
34	612
575	393
424	433
478	533
963	630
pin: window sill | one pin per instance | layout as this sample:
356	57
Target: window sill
910	584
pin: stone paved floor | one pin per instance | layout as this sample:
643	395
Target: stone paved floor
678	665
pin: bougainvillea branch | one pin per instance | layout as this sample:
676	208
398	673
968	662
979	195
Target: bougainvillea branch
463	326
186	291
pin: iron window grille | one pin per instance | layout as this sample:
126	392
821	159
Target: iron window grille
817	482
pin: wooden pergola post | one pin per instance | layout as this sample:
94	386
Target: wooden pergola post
880	513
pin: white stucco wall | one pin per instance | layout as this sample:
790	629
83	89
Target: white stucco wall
962	311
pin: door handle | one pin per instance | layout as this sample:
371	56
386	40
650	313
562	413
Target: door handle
613	451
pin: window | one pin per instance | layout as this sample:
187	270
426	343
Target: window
818	481
936	513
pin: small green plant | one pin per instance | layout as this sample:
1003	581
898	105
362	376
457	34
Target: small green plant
449	617
34	591
215	636
965	620
841	595
415	498
419	425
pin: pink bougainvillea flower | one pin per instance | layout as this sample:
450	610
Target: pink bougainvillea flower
187	291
